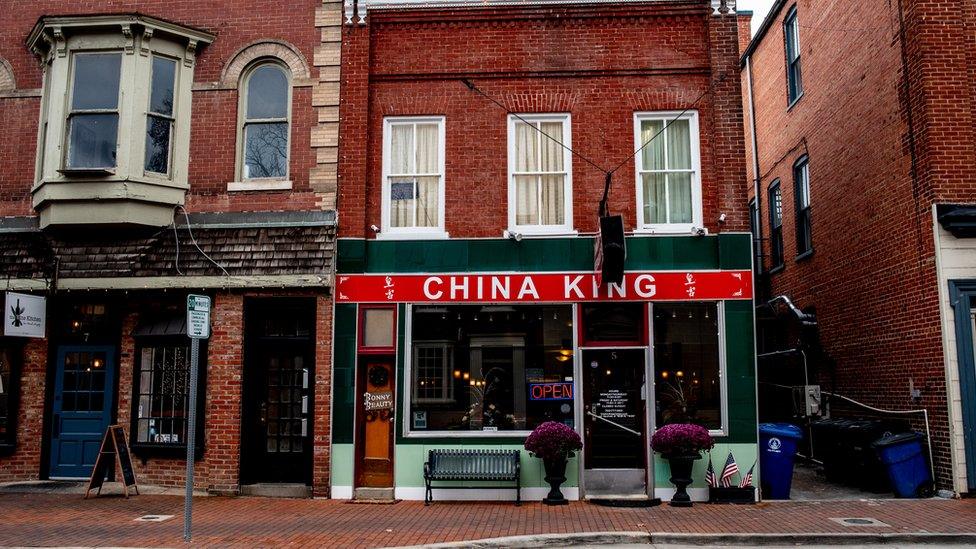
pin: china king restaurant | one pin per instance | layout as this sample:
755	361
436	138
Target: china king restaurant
470	344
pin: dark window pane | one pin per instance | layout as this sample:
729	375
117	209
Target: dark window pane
265	150
267	93
688	385
620	322
163	80
96	81
157	144
93	140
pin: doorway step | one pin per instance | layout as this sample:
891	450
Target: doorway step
610	500
373	495
277	490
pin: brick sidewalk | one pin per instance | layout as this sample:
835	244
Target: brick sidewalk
67	519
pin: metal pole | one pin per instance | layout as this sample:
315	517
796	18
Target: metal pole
191	428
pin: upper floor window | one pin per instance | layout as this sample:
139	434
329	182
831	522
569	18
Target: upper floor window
801	194
754	229
668	172
93	119
413	176
791	33
160	115
115	114
540	188
775	225
265	123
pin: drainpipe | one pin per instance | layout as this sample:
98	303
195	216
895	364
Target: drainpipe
755	160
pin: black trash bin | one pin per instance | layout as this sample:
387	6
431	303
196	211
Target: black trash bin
863	469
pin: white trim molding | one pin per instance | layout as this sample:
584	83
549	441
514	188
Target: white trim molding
387	231
566	140
667	117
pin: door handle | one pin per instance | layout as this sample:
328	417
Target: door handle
264	413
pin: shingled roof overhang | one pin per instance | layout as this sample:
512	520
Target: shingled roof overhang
220	250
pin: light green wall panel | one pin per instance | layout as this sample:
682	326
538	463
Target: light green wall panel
410	460
745	455
342	464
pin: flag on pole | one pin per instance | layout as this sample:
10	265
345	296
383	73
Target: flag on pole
747	478
729	471
710	477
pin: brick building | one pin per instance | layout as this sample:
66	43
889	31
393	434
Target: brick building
862	145
151	150
476	138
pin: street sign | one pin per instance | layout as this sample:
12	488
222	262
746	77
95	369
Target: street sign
198	316
197	328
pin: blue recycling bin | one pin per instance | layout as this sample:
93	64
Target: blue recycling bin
777	451
907	467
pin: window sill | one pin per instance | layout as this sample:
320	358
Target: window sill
789	107
86	172
776	269
539	233
805	255
669	230
412	235
146	451
259	185
467	434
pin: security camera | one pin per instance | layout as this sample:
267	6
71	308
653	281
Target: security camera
698	231
375	228
721	218
512	235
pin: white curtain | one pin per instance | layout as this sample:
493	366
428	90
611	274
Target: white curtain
652	155
428	162
655	210
552	186
667	193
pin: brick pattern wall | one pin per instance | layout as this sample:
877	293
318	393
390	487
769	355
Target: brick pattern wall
215	105
872	277
23	463
600	64
322	425
325	98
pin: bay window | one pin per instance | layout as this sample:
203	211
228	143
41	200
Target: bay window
473	368
115	118
540	174
668	172
689	365
413	176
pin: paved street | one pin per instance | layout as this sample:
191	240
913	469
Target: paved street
67	519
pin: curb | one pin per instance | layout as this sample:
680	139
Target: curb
645	538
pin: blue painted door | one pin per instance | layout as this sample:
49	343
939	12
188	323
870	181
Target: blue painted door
83	390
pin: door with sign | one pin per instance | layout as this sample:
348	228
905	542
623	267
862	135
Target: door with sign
614	420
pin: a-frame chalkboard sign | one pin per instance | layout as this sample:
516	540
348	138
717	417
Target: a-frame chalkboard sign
113	444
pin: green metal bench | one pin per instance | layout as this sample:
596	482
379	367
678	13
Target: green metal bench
471	465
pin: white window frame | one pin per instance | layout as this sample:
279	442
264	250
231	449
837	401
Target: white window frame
70	112
447	371
386	230
173	118
567	140
696	186
261	183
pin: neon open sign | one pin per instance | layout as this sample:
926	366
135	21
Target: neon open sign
551	391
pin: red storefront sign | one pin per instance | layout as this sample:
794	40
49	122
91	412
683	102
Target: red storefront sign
542	287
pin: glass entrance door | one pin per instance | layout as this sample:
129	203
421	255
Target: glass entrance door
614	419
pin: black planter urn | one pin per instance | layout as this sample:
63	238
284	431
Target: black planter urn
681	466
555	475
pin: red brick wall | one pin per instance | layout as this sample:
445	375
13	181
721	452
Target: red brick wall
23	464
600	64
214	121
872	277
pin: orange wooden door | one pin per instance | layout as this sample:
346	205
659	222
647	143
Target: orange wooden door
377	405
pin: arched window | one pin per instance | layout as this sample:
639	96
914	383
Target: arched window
265	122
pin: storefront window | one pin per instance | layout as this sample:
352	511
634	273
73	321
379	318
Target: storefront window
490	368
162	389
688	364
7	394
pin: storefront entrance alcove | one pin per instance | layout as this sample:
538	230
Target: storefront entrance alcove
375	403
614	370
276	435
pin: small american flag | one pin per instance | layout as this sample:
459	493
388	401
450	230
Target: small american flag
710	477
747	478
729	471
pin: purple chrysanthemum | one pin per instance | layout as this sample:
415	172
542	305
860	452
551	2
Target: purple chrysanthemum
553	441
681	439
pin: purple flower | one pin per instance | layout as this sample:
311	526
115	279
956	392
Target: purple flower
681	439
553	441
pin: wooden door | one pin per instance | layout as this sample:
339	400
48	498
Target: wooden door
376	419
83	397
